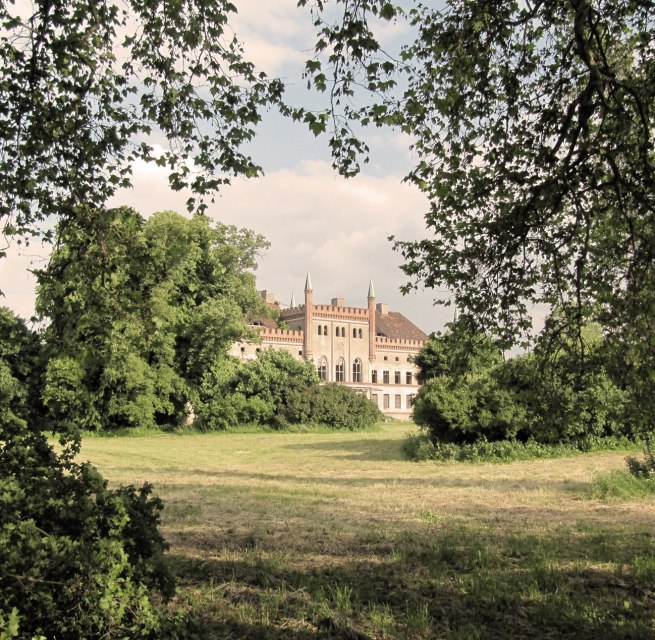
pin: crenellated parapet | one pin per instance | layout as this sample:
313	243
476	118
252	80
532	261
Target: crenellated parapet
280	335
398	343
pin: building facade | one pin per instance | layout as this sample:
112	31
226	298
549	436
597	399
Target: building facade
367	348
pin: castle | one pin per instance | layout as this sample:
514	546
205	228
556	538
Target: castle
368	349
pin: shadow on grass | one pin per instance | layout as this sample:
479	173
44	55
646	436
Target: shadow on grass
325	481
456	582
362	449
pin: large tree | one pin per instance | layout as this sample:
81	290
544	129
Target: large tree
89	86
137	310
532	127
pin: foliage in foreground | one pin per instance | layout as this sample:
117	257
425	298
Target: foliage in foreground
77	560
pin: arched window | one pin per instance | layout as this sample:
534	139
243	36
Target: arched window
357	370
354	333
321	368
339	370
337	332
360	333
320	330
325	330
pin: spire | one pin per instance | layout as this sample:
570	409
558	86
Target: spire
293	301
371	290
308	282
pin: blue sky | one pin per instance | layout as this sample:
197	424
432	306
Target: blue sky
314	220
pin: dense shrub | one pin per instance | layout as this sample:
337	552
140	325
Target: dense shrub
421	448
471	395
77	560
234	393
468	409
331	405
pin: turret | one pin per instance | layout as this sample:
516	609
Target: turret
309	312
371	322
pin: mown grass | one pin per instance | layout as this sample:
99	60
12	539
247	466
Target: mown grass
335	535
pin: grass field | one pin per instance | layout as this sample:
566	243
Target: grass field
305	536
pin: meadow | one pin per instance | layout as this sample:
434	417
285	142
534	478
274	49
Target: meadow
335	535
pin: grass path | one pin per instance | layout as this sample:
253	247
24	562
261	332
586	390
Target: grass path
337	536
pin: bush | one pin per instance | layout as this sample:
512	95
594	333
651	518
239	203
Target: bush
645	468
77	560
421	448
468	409
331	405
622	485
234	393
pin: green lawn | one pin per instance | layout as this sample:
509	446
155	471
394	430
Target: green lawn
337	536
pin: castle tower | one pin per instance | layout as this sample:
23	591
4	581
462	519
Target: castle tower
371	322
309	312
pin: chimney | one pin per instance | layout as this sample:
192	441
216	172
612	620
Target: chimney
269	296
383	308
371	322
337	302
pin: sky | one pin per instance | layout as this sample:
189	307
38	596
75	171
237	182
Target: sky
316	221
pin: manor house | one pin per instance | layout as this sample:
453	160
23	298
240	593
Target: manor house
366	348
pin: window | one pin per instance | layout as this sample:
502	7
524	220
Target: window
320	330
398	401
354	333
374	377
325	330
385	377
300	352
397	359
357	370
374	399
339	371
337	332
410	400
359	331
408	377
322	368
396	377
385	358
385	401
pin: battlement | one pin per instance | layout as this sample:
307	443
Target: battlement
280	335
390	343
358	312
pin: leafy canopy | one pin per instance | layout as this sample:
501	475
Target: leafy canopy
532	127
88	87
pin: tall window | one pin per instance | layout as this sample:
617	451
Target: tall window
325	330
321	368
357	370
354	333
359	331
398	401
396	377
320	330
385	377
408	377
385	401
339	371
337	332
374	377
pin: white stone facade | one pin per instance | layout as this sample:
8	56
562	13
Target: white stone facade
366	348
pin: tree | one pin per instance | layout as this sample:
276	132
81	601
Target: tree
88	87
137	311
532	124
